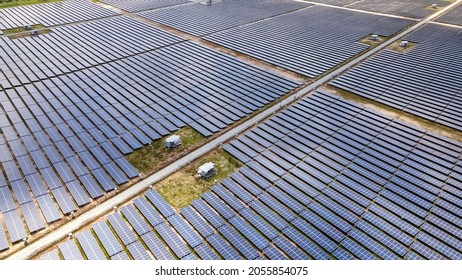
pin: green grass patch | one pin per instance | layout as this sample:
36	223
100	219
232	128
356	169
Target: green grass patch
184	186
27	34
149	157
15	3
21	29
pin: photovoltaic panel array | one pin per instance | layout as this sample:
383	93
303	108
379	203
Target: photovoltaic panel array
90	246
199	19
335	2
452	16
71	48
64	137
353	177
70	251
51	14
142	5
407	8
426	81
51	256
330	36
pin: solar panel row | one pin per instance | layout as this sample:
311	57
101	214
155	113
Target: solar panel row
76	47
330	37
199	19
137	5
50	14
413	82
75	130
394	211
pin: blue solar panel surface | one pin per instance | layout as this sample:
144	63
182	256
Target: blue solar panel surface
414	82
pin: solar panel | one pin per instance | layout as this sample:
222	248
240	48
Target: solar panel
63	200
382	238
250	233
148	211
277	207
89	246
156	246
259	223
273	254
207	212
289	249
70	11
196	221
189	257
341	254
205	253
295	193
438	246
427	252
375	247
305	244
164	208
237	190
50	177
238	242
103	179
107	238
120	256
223	248
269	215
286	200
31	215
14	226
357	250
218	205
6	200
70	250
3	241
322	225
185	231
255	178
49	210
228	197
36	185
246	184
135	220
413	256
320	239
137	251
79	195
91	186
173	241
50	256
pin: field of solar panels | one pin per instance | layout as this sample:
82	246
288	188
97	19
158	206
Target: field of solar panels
91	89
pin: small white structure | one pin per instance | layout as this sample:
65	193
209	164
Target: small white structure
207	170
172	142
34	33
374	37
27	27
434	6
404	44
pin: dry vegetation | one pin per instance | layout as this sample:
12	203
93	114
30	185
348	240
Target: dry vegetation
397	48
184	186
14	3
149	158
